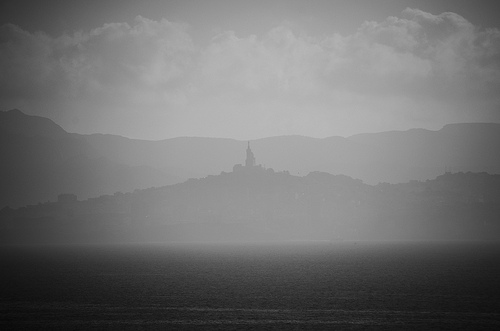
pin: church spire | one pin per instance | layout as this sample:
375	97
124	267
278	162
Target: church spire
250	161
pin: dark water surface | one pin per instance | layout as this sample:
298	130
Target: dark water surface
269	286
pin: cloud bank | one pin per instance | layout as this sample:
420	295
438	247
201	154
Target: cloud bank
148	79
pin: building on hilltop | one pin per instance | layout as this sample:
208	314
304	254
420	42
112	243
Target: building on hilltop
250	162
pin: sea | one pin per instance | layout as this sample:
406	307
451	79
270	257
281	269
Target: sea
251	286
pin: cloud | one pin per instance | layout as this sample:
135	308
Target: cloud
149	79
417	70
111	67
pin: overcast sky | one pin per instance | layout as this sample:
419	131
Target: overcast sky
250	69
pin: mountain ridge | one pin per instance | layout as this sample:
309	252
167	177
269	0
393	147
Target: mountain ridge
40	160
390	156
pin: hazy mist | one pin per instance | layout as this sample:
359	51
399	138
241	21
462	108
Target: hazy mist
347	104
249	164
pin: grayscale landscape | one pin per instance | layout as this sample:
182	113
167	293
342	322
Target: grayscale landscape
249	164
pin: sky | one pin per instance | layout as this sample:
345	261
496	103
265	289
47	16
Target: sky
250	69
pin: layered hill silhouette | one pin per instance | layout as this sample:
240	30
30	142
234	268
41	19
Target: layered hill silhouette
393	157
41	160
255	204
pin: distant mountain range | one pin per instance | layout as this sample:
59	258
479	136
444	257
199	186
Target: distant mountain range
41	160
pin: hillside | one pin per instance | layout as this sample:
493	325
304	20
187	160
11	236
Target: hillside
393	157
40	160
258	204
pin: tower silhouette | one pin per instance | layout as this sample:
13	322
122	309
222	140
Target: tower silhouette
250	161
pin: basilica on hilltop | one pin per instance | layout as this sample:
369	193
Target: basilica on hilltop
250	164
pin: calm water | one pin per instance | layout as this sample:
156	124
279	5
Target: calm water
282	286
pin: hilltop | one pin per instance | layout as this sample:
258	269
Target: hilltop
41	160
253	203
